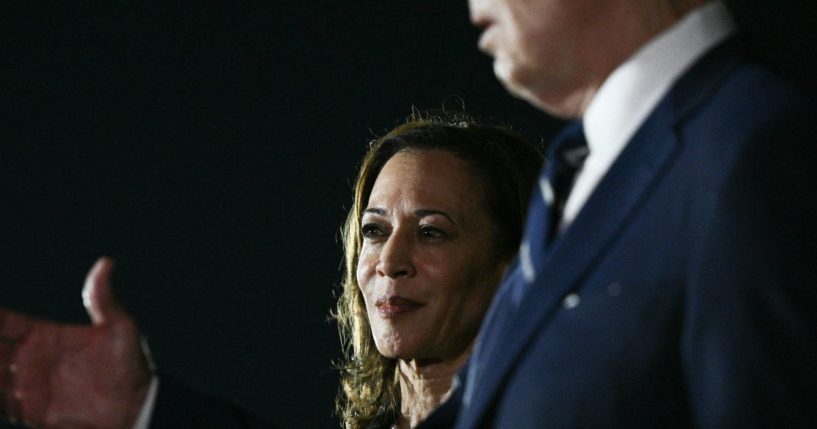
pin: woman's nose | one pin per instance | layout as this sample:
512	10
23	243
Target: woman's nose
396	256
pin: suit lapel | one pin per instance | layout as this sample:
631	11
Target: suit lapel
574	254
606	214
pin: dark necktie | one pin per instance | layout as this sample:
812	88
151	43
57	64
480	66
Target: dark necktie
566	155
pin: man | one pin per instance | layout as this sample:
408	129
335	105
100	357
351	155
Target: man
675	286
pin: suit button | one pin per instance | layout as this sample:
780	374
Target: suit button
571	301
614	289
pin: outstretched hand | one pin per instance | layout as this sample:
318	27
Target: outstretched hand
74	376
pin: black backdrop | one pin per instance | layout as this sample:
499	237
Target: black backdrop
209	147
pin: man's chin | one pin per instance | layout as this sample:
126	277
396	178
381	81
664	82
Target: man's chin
515	87
502	71
512	79
521	85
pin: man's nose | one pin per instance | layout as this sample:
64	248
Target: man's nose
396	257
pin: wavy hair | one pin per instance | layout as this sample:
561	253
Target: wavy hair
506	166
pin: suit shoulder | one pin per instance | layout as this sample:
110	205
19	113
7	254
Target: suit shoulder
730	86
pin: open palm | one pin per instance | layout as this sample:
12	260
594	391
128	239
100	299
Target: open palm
74	376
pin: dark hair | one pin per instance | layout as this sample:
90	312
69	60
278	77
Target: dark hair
506	166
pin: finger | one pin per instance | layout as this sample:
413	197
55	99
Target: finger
97	295
35	357
13	327
7	366
6	352
6	391
11	405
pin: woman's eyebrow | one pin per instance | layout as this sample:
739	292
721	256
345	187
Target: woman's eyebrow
421	213
375	210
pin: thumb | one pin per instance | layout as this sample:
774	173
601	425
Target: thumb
97	295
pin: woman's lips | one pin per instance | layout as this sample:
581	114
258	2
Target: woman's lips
393	306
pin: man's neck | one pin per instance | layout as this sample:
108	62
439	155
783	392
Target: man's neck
636	24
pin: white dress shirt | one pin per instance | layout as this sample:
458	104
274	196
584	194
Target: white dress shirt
633	90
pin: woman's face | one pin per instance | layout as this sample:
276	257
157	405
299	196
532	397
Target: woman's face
428	267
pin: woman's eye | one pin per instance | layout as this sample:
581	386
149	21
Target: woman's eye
371	230
432	232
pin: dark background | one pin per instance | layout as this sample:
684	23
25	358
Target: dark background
210	147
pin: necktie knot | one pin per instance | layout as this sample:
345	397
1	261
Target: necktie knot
566	155
574	157
569	147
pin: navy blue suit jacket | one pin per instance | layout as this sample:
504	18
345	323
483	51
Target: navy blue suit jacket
692	272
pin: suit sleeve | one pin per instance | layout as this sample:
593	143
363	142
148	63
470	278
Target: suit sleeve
749	344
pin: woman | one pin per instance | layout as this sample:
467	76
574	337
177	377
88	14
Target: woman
438	212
